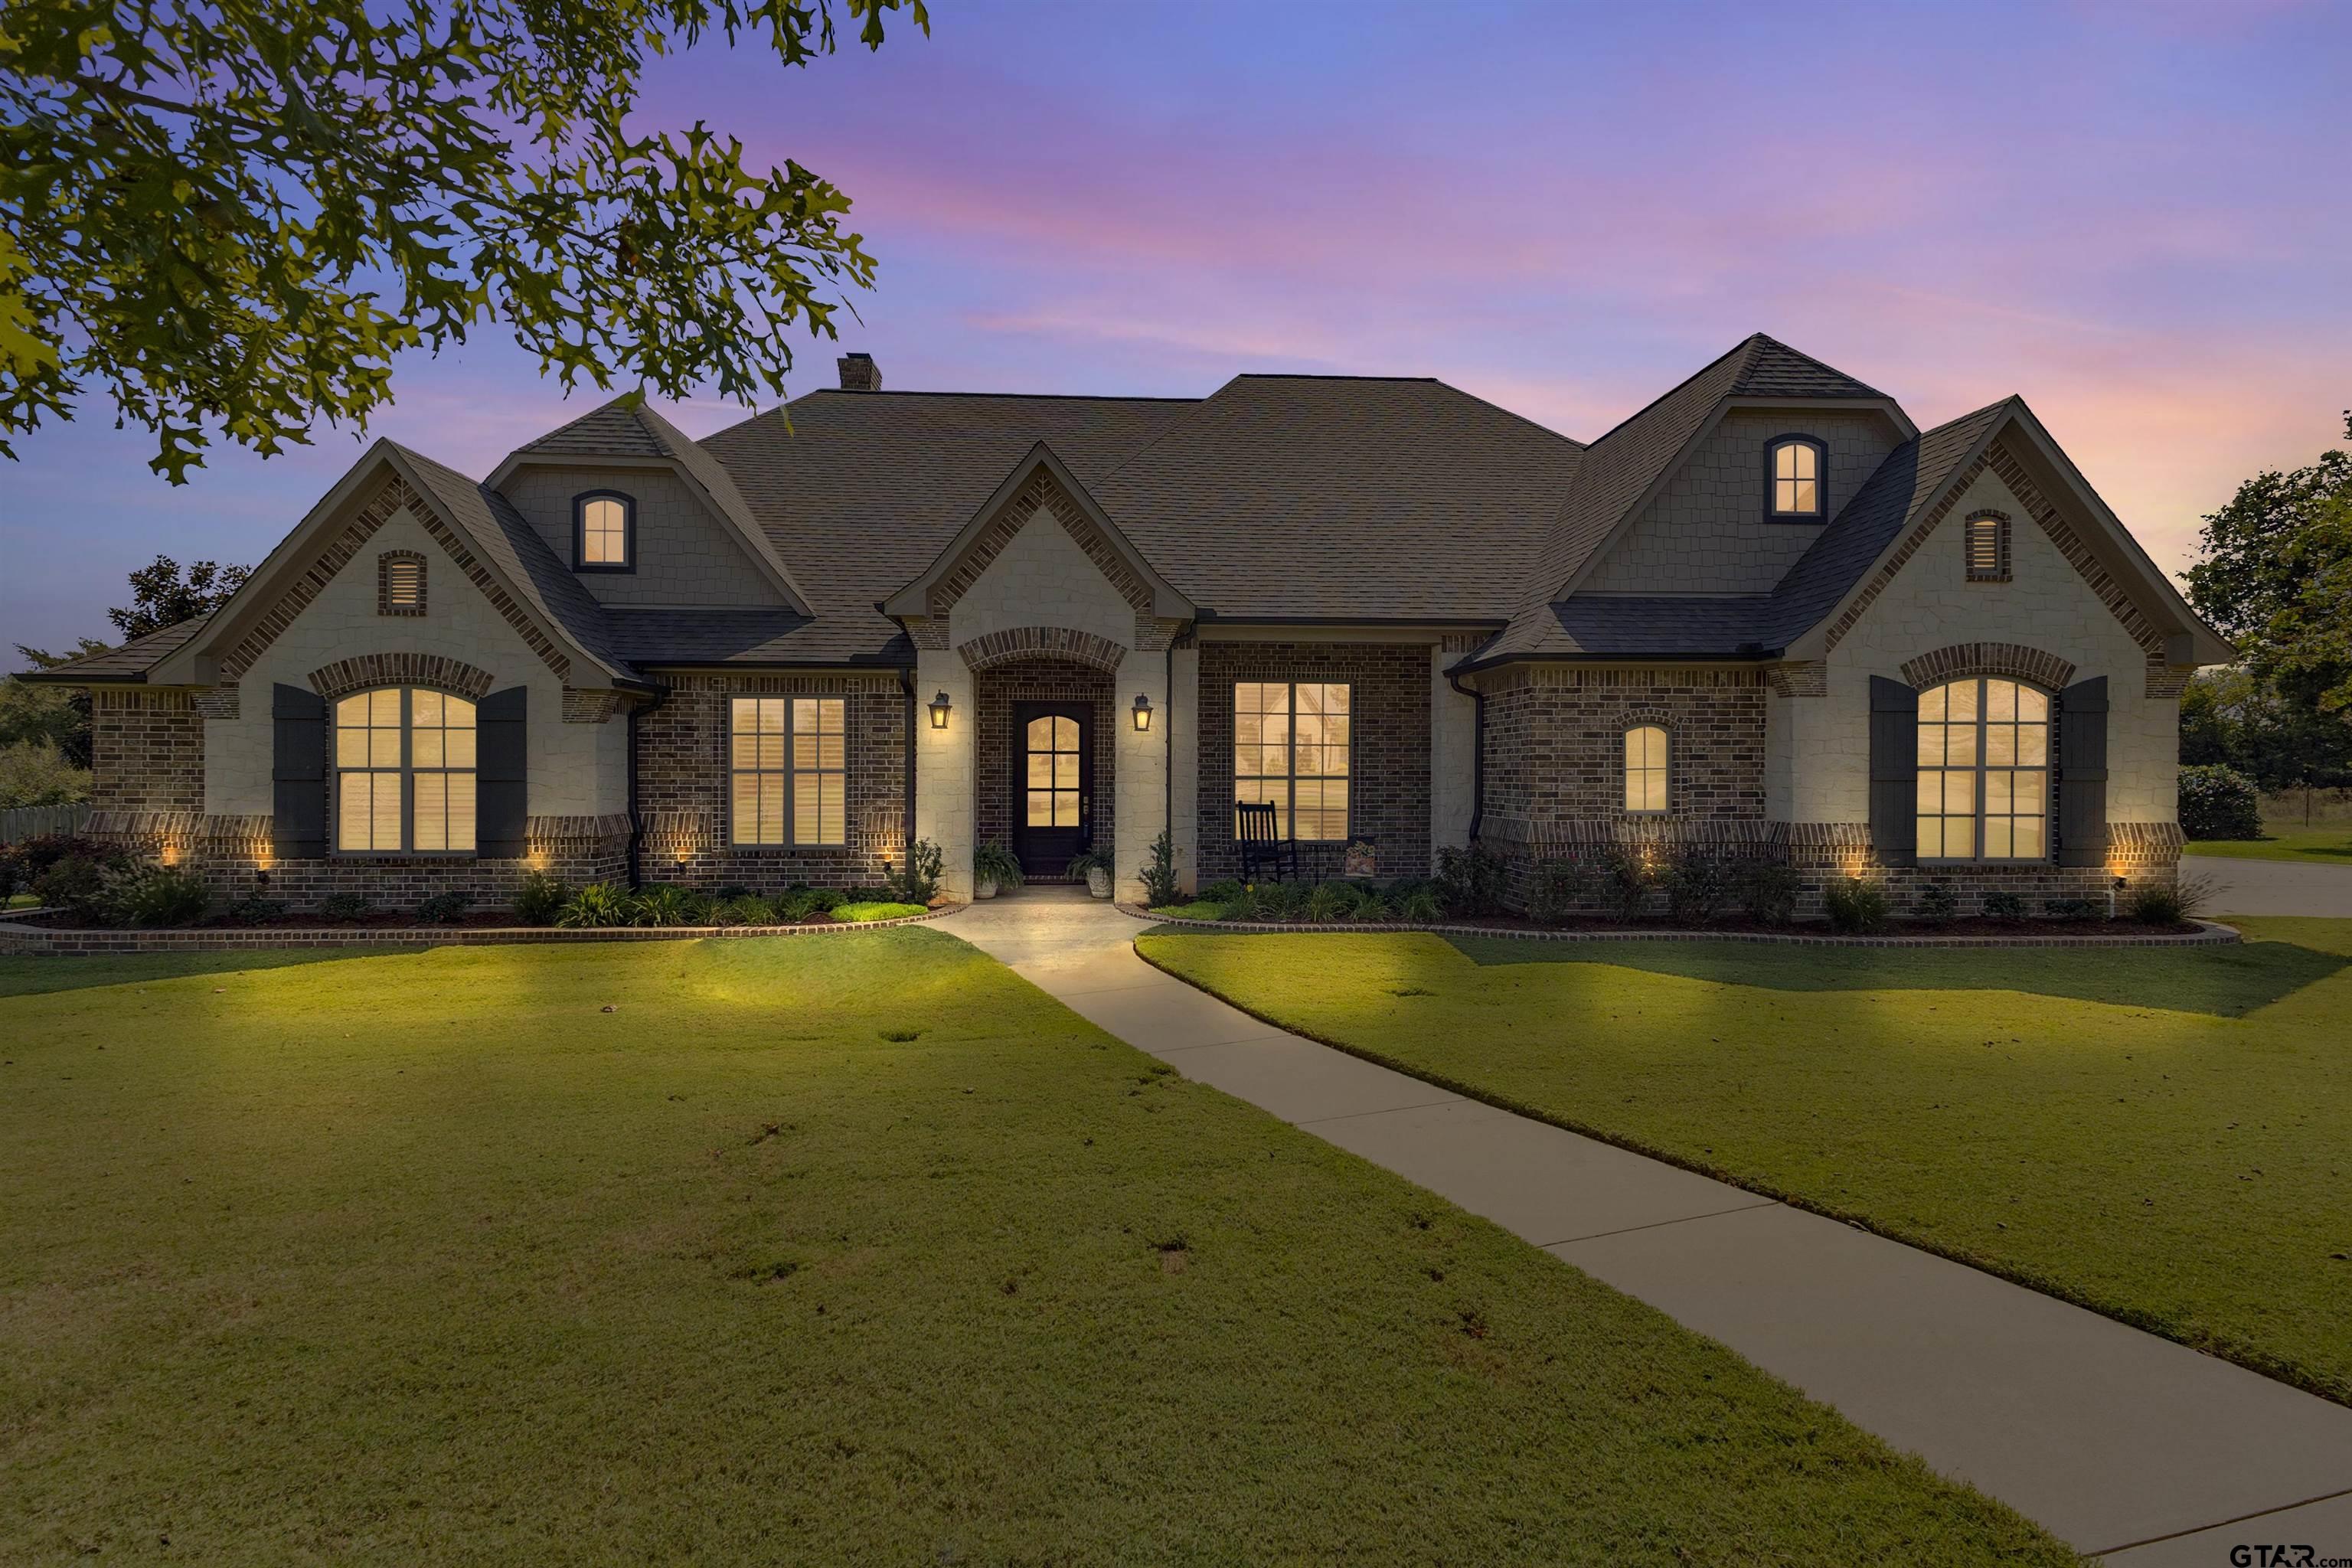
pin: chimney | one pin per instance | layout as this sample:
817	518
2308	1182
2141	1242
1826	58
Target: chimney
860	373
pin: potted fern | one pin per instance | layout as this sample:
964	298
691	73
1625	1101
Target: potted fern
993	868
1094	865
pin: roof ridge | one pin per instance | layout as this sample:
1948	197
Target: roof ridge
922	392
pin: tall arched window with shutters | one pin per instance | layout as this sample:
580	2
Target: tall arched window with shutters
1984	770
405	772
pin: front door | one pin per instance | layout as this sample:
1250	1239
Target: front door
1052	785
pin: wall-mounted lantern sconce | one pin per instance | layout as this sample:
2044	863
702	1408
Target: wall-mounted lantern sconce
940	706
1142	712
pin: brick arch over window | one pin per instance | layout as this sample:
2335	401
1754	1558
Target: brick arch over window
346	675
993	649
2008	660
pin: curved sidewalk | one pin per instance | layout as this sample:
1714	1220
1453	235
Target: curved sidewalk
2118	1442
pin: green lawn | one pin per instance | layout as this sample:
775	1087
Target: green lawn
2165	1135
817	1249
2329	846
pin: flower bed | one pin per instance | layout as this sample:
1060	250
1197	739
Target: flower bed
1974	932
64	941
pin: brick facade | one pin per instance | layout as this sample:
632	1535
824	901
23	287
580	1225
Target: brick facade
146	751
1388	765
997	688
682	786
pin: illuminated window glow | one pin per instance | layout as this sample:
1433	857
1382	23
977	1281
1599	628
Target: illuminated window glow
1291	747
405	772
1796	479
1984	771
1645	768
788	769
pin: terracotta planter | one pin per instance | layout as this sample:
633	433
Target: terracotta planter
1098	882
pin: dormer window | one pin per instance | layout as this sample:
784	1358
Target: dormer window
1792	468
604	533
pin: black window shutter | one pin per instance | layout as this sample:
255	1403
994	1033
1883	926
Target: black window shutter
2083	774
297	772
501	769
1893	771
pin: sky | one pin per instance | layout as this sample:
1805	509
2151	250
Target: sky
2137	215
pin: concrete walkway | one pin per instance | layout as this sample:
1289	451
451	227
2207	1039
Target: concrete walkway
2118	1442
2272	886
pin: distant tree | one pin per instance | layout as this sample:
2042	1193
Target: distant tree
57	717
34	772
162	597
2276	578
2233	718
231	217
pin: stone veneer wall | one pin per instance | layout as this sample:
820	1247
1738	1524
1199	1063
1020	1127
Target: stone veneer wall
997	688
682	786
1389	790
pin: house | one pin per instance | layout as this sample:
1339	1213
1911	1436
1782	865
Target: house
1765	615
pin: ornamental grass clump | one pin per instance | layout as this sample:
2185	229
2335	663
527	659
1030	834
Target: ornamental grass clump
598	904
541	898
1856	905
667	904
153	895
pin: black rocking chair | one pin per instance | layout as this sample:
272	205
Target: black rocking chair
1257	830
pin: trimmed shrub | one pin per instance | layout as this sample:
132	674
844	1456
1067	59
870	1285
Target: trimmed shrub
1626	881
1766	891
1558	888
445	908
153	895
2001	904
822	900
1938	903
916	880
1698	886
253	910
77	882
1421	906
667	904
742	910
344	907
1220	892
1159	873
1331	902
1856	905
1469	881
864	912
2219	802
2074	909
539	900
598	904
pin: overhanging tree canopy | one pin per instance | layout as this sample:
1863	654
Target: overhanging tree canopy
230	216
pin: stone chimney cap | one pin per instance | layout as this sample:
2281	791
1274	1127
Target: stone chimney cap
859	372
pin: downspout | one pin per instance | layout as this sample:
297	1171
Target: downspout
637	817
1477	753
1167	809
907	831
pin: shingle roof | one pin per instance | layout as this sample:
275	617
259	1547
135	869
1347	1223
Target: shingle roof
1637	625
614	430
128	663
1321	497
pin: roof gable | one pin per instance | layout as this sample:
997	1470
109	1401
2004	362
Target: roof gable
630	433
498	553
1041	480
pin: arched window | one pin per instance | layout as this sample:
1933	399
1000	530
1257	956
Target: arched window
603	531
403	772
1793	470
1984	770
1645	768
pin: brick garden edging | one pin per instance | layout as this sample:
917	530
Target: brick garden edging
2210	933
52	942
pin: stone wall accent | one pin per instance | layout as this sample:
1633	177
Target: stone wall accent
997	748
1026	644
2009	660
146	749
383	564
1042	493
366	671
1389	766
682	786
346	545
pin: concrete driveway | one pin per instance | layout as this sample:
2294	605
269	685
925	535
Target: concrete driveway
2272	887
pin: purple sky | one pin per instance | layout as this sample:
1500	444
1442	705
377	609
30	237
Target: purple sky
2137	214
